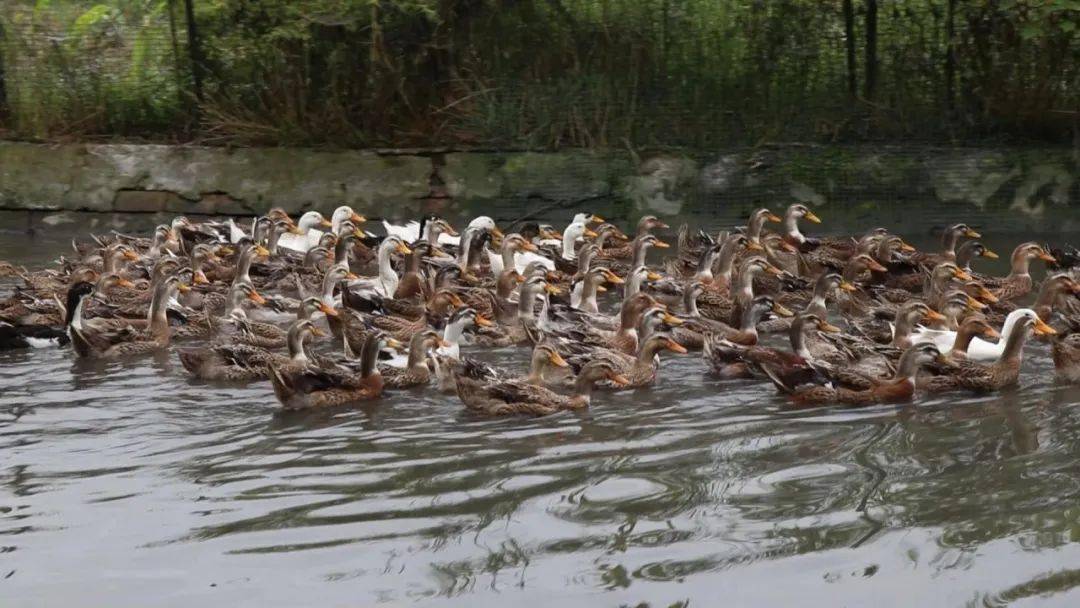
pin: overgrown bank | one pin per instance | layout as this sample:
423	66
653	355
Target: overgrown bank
540	73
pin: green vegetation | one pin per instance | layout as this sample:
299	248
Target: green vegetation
541	73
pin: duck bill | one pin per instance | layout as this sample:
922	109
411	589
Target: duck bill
618	379
126	283
974	304
671	319
754	246
456	301
329	311
557	360
325	223
403	249
1042	329
198	279
315	331
933	315
962	275
357	218
551	234
551	289
846	286
527	246
257	298
294	229
262	251
971	234
812	217
449	230
985	294
352	276
591	233
773	270
442	342
596	219
877	267
906	248
827	327
482	321
661	245
131	255
613	278
989	254
183	287
518	277
782	310
772	217
395	344
675	347
1046	257
991	333
653	276
601	289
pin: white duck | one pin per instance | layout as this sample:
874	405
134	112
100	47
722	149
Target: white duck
482	222
979	349
516	252
462	319
306	236
430	229
386	283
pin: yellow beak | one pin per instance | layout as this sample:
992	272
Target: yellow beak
846	286
989	254
811	216
483	321
557	360
781	310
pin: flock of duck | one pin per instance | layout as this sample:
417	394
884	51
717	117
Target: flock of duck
332	314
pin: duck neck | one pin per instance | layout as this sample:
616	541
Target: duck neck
746	284
907	367
633	284
754	226
749	320
527	303
505	285
569	243
1021	266
949	242
588	295
536	369
368	357
243	266
417	352
583	388
791	228
507	252
902	329
75	312
705	264
159	322
1014	345
452	332
798	340
647	354
964	336
328	283
690	303
296	345
641	251
726	261
852	269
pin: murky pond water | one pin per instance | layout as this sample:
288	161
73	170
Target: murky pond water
129	484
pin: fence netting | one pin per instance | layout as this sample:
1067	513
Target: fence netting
541	73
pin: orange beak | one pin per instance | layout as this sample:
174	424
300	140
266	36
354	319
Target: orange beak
351	275
557	360
262	251
527	246
989	254
590	233
126	283
975	304
661	245
971	234
131	255
456	301
653	276
482	321
1043	329
876	267
846	286
1046	257
328	310
357	218
675	347
933	315
773	270
618	379
772	217
963	276
613	278
257	298
985	294
200	279
754	246
827	327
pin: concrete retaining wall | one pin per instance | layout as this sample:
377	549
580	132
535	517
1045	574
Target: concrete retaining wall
191	179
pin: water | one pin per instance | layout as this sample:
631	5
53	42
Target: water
129	484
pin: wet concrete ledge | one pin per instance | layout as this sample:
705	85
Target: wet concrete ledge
237	181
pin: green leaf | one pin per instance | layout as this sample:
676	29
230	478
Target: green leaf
89	19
